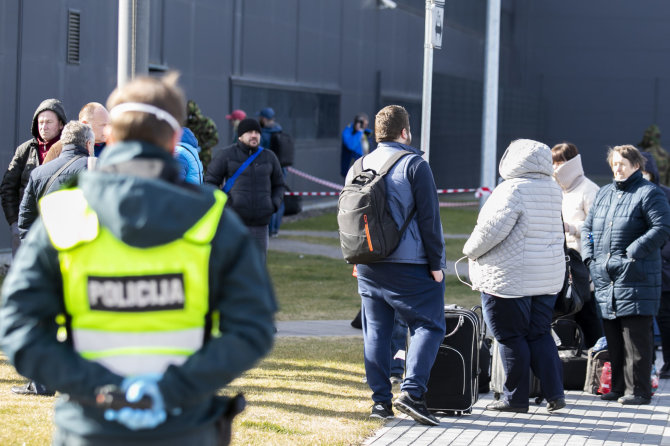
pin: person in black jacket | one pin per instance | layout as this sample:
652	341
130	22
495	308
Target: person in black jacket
257	190
650	172
78	143
48	121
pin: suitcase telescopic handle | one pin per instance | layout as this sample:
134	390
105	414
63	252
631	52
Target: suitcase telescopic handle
453	332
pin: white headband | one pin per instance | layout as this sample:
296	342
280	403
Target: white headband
145	108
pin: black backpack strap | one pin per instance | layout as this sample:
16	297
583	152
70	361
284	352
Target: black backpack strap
409	219
384	170
58	172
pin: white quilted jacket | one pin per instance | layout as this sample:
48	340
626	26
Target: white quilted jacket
516	248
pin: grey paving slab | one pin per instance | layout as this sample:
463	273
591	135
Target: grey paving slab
586	420
317	328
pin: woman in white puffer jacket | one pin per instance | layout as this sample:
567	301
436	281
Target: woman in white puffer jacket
517	261
578	195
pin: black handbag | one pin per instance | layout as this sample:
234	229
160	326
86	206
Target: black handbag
576	285
292	204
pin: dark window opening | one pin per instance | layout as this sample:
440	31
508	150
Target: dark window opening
303	114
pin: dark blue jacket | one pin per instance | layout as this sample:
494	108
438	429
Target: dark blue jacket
266	134
651	168
629	222
410	185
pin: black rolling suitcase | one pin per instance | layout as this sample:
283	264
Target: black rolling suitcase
571	353
453	383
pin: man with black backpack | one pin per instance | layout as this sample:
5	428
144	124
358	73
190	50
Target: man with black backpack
399	262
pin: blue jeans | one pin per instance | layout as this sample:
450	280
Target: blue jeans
398	342
522	326
275	221
409	290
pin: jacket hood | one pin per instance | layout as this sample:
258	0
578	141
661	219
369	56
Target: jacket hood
569	173
650	166
55	106
143	207
525	158
189	138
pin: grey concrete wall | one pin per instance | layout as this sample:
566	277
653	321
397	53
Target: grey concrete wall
602	68
591	72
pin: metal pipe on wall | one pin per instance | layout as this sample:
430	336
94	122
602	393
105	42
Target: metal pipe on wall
133	40
490	114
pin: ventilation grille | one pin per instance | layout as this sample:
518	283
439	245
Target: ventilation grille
73	28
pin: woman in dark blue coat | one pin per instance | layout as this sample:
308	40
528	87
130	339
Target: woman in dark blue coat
621	240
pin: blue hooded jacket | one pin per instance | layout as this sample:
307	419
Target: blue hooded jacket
186	154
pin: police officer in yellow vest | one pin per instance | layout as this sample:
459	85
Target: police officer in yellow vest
134	281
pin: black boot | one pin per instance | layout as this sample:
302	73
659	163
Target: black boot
356	323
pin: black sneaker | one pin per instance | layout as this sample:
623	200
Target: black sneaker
611	396
383	411
396	379
416	409
635	400
503	406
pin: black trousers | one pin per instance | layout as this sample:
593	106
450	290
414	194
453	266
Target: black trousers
630	345
663	321
590	322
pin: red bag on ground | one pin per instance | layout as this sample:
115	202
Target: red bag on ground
606	379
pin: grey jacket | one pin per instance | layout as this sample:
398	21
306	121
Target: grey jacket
39	179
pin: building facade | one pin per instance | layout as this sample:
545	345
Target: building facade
594	73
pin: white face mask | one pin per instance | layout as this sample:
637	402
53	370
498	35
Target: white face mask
646	176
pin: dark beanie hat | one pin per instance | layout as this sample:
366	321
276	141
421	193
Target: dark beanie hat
247	125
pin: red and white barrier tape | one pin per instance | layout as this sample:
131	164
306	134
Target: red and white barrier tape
312	194
479	192
316	180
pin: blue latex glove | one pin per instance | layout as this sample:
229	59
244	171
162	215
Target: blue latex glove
136	387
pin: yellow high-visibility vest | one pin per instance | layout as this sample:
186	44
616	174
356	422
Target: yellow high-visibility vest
133	310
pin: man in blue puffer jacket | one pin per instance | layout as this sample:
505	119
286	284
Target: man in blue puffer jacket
186	153
621	240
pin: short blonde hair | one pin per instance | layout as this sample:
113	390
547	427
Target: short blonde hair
163	93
